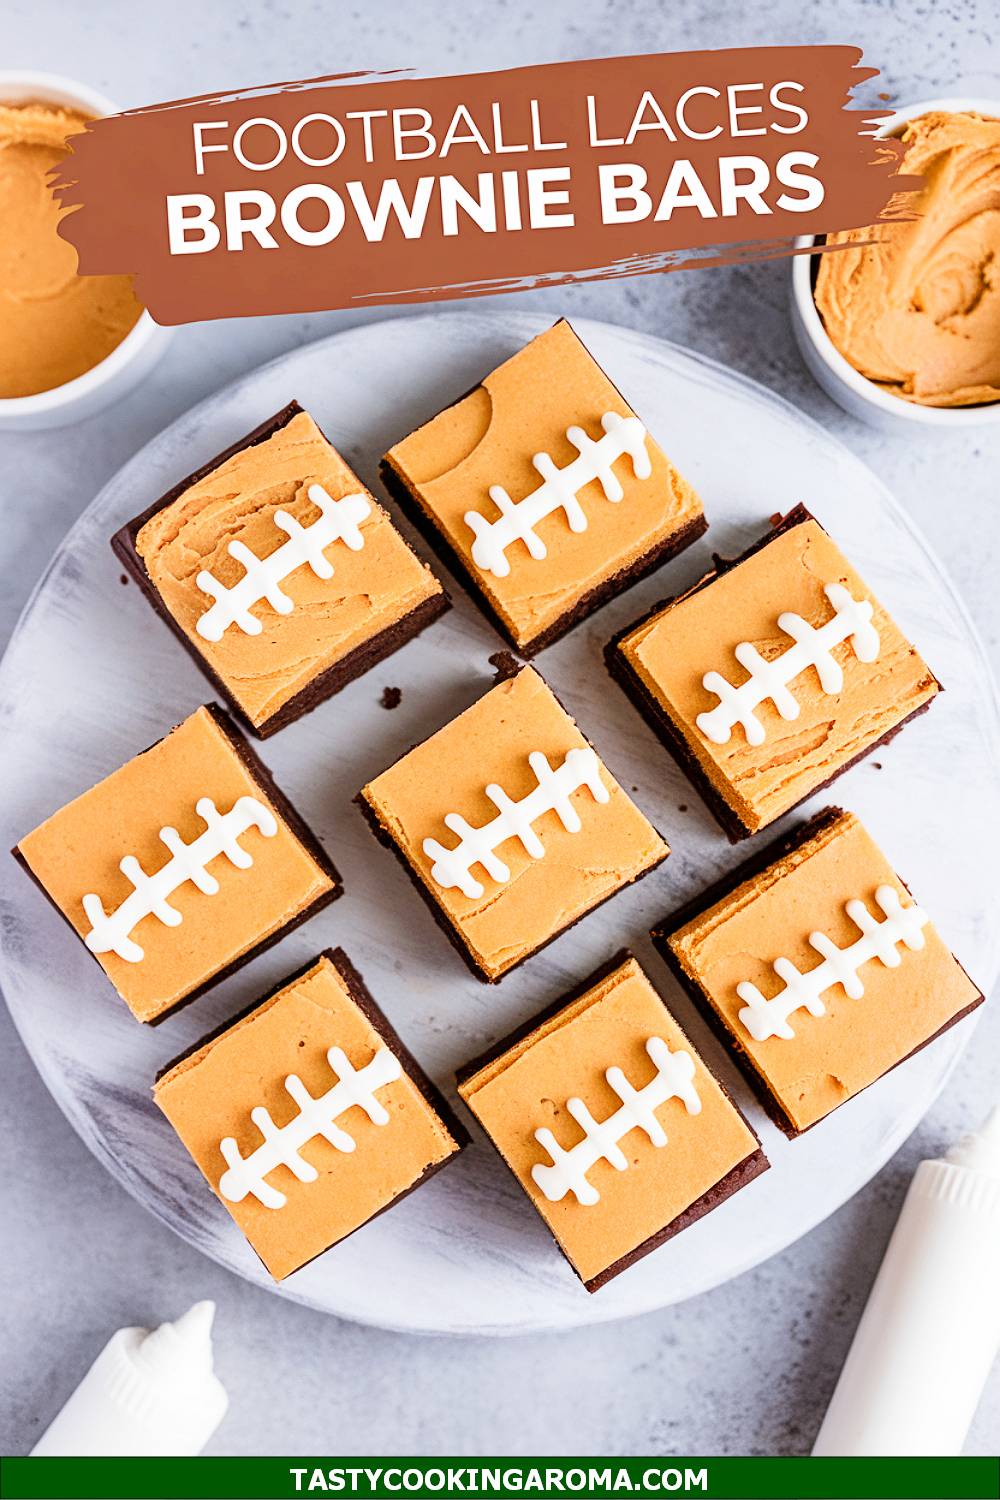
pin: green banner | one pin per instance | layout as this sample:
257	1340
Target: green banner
723	1478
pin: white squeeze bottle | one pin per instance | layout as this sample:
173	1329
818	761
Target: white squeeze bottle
931	1329
147	1394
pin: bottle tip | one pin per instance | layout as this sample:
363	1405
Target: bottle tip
981	1148
188	1338
990	1128
196	1323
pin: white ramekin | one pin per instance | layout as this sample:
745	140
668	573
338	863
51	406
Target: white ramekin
138	351
854	392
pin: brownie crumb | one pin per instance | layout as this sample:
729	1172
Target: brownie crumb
682	807
876	765
391	697
505	664
776	519
123	578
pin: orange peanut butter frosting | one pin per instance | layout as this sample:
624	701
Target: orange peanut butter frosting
210	1095
819	1058
918	312
567	1056
54	324
370	590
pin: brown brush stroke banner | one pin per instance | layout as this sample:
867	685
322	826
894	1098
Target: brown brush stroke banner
359	189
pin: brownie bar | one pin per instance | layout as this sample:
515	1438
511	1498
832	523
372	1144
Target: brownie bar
668	733
760	860
441	919
744	1172
505	667
366	1002
368	1005
277	799
323	686
409	504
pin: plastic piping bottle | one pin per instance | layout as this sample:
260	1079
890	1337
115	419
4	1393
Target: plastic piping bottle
147	1394
931	1330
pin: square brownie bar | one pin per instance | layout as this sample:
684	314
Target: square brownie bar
773	675
279	572
181	865
613	1125
543	491
817	967
509	825
307	1177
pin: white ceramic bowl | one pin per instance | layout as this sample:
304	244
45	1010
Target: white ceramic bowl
138	351
854	392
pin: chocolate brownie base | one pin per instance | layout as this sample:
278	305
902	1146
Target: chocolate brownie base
366	1002
667	731
723	887
277	799
410	505
327	683
355	664
745	1171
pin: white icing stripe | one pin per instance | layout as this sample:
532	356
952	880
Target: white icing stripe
903	924
247	1175
110	932
558	491
769	679
339	522
567	1172
476	846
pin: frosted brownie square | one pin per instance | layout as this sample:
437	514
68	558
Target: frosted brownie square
279	572
181	865
543	491
773	675
509	825
307	1115
615	1128
817	967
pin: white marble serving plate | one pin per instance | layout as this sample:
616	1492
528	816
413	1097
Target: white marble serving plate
91	677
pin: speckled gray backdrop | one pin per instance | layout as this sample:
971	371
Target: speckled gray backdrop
747	1368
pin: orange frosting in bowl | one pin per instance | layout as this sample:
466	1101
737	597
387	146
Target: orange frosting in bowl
54	324
918	311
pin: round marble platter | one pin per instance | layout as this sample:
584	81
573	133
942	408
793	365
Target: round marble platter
92	677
